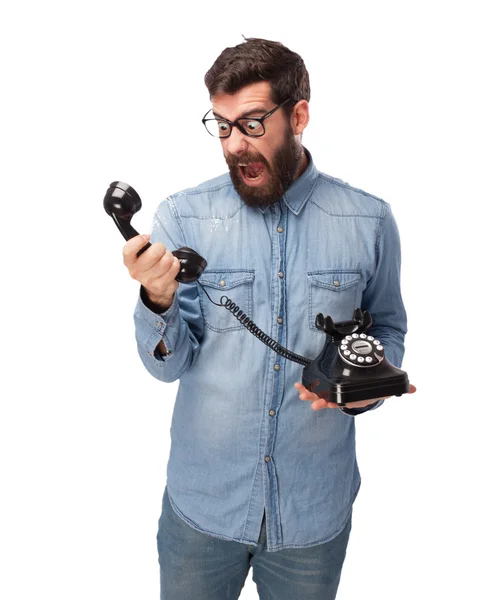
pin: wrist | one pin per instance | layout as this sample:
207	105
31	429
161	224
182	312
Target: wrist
158	304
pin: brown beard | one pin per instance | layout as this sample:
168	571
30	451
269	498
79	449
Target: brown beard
282	173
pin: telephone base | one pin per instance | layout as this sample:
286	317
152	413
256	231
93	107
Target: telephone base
342	393
335	381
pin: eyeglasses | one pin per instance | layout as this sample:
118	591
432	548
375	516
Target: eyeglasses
250	126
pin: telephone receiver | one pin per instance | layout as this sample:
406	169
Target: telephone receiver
121	202
351	367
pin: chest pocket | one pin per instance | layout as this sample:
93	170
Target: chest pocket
333	293
237	285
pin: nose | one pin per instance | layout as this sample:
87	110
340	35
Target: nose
236	143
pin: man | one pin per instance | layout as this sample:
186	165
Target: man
254	477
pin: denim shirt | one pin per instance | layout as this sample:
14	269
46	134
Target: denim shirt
242	442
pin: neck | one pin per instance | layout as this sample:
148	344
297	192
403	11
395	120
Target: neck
303	165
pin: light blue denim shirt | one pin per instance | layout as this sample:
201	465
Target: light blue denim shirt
241	439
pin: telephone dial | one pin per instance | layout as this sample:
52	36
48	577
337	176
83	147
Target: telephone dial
350	368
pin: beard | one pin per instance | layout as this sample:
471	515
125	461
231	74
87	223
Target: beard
281	173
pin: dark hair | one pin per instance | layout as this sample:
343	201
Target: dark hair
257	60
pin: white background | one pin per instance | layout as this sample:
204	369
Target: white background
94	92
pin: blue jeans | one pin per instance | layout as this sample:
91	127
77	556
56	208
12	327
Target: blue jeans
197	566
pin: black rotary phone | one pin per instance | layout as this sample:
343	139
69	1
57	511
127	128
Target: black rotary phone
352	365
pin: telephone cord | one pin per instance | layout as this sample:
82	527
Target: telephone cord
256	331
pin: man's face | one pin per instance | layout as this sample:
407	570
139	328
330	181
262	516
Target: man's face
262	168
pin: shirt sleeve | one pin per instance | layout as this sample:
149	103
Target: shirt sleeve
382	298
181	326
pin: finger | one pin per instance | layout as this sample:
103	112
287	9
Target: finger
163	274
299	386
169	269
134	245
156	263
153	256
319	404
412	388
305	394
151	269
174	269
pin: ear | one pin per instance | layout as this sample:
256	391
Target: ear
300	116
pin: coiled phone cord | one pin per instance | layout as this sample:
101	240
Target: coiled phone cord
256	331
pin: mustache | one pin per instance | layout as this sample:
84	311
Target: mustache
234	161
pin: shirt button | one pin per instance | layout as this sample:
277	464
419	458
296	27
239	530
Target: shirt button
281	274
276	367
279	229
336	283
222	283
272	413
279	320
267	458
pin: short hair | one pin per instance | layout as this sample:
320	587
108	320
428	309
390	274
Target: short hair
256	60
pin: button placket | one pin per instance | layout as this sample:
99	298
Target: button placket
278	245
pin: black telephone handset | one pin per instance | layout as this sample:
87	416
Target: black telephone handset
350	368
121	202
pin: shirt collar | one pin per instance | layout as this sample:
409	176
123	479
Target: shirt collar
300	190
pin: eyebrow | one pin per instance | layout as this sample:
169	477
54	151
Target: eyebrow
248	113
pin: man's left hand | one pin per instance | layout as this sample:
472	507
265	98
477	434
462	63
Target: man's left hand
319	403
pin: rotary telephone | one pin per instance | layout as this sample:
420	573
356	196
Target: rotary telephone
350	368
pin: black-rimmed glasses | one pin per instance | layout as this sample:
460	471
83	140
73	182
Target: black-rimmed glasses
250	126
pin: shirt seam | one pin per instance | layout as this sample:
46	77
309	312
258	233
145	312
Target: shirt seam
352	215
201	190
345	185
378	237
174	210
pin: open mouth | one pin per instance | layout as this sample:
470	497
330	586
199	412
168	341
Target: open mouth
253	173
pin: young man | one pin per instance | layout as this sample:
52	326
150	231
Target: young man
255	478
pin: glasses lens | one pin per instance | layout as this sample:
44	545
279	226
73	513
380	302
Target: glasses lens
252	126
217	128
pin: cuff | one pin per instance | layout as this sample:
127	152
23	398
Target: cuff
153	326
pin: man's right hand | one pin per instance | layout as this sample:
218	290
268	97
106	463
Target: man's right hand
155	269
